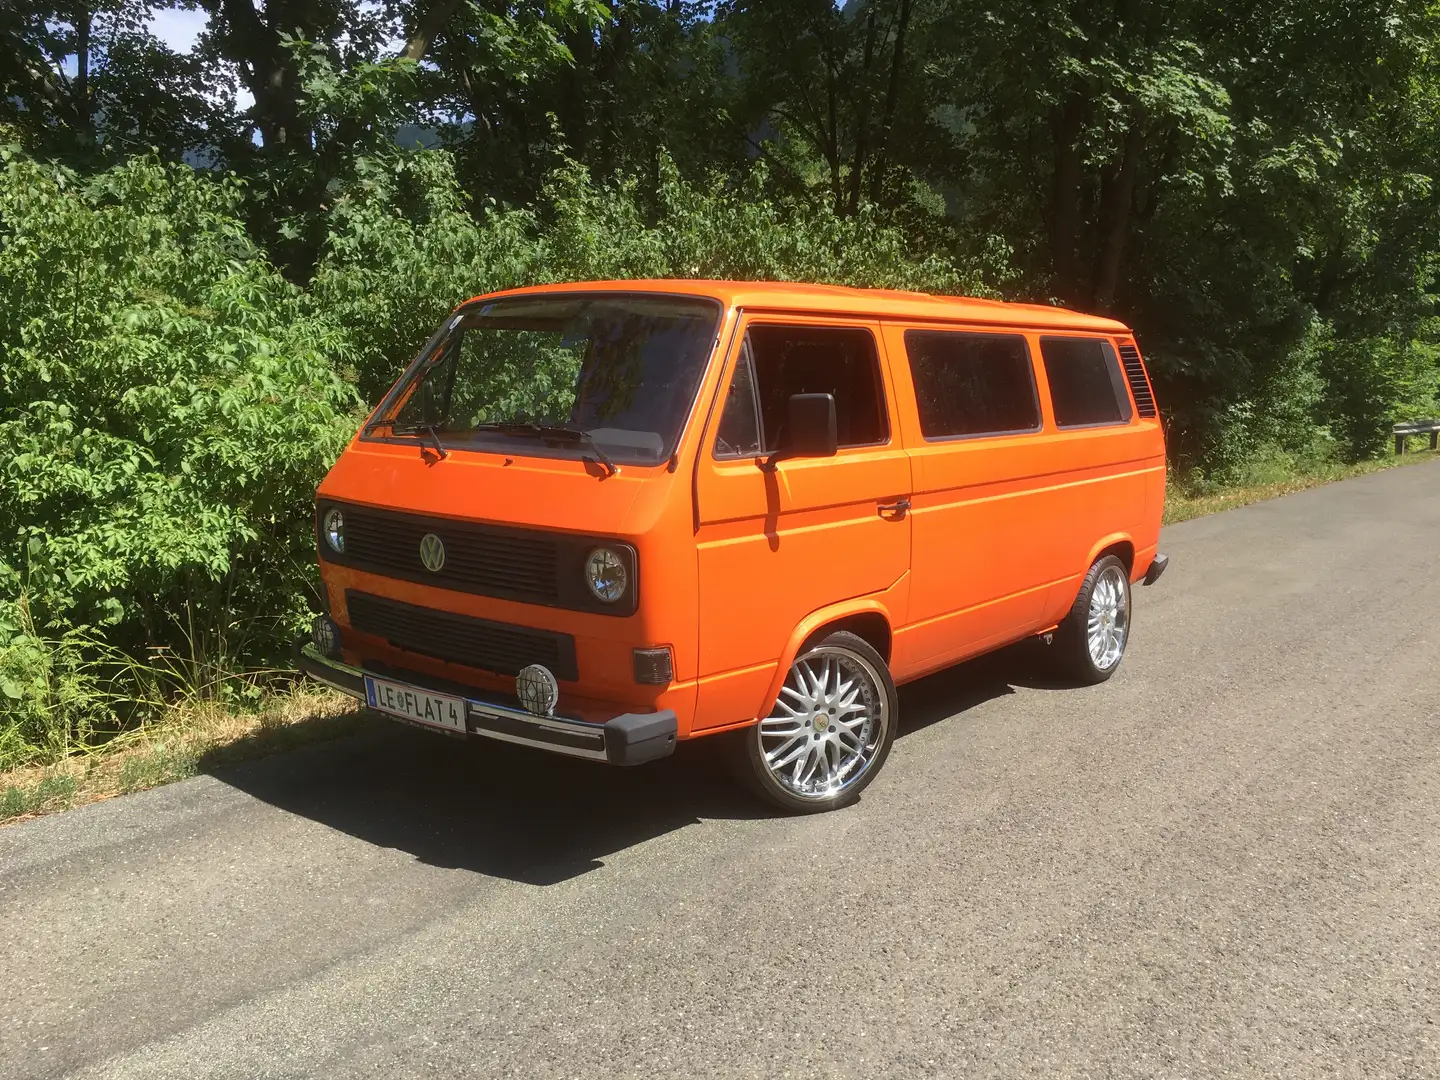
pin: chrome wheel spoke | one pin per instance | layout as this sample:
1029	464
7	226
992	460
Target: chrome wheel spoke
806	769
786	730
790	752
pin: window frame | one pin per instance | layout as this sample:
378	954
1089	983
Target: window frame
744	355
1118	382
878	356
906	331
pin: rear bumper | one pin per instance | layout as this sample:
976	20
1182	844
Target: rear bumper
628	739
1157	567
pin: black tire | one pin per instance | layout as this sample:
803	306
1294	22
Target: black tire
850	655
1072	651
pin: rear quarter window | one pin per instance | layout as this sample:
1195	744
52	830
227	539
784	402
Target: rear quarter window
1087	387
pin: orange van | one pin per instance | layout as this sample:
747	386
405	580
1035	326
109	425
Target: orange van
600	518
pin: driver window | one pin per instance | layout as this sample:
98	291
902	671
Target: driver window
778	361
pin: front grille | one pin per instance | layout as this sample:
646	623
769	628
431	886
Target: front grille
478	558
1139	385
461	639
528	565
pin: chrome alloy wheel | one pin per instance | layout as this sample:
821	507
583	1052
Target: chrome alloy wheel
1109	622
828	723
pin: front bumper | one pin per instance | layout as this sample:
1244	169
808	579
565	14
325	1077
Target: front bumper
629	739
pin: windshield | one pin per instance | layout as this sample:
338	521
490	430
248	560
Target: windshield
609	375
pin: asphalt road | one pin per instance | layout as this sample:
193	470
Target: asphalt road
1225	862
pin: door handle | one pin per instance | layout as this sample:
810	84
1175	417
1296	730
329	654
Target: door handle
899	508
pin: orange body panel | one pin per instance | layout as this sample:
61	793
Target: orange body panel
738	565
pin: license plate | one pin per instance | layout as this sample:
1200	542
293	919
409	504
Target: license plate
412	703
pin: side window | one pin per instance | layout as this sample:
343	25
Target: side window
1086	386
778	361
972	384
739	434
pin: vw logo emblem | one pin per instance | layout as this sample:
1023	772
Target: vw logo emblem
432	552
537	690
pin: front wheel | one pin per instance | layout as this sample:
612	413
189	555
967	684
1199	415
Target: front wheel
1091	642
830	730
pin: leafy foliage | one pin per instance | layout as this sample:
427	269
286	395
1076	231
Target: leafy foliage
166	405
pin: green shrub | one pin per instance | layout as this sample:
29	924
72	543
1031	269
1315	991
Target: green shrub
167	404
53	695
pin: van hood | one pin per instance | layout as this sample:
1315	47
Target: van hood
544	493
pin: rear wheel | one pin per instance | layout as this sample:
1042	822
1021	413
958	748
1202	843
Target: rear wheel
831	728
1091	642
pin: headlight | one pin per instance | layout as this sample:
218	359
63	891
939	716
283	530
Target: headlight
606	575
335	530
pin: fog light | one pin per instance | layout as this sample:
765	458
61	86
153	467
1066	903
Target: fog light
325	636
654	667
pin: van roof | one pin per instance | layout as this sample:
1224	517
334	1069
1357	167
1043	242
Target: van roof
826	299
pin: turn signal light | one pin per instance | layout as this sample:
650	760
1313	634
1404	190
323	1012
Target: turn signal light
654	667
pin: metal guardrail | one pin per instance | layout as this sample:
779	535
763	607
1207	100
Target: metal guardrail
1416	427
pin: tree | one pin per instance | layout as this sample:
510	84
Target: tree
89	83
827	84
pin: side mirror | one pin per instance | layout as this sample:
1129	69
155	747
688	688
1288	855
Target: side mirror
810	430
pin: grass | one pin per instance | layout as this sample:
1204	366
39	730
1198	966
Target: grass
197	738
193	739
1183	502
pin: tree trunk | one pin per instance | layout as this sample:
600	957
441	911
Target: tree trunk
1065	124
832	133
571	108
431	23
892	94
862	128
265	68
1115	214
615	45
84	114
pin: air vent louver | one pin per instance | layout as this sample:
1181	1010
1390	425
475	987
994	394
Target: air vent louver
1139	384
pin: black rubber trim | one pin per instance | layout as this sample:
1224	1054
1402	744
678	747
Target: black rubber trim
464	640
330	674
636	738
1157	568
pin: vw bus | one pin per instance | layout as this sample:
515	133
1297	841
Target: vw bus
597	519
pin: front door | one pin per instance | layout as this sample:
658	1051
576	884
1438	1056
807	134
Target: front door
777	544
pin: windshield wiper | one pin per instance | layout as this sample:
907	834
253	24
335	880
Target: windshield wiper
413	429
547	431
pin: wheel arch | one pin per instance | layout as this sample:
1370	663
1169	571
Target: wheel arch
1121	545
867	619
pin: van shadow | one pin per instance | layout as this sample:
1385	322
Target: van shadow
956	690
489	807
537	818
